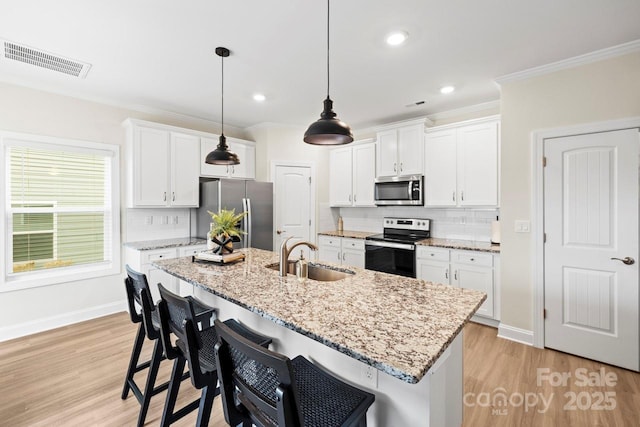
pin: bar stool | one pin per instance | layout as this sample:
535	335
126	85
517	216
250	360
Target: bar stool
265	388
196	338
143	312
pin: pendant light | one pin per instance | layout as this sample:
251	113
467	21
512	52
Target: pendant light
328	129
221	155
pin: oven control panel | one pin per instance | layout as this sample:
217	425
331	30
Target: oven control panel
420	224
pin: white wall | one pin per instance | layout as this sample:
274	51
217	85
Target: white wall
609	89
31	111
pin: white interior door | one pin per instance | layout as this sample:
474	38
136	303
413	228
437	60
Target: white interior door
591	221
293	206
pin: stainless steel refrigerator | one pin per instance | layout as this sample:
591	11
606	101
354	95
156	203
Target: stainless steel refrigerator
255	198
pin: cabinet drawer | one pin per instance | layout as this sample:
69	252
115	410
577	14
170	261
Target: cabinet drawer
428	252
191	250
355	244
472	258
329	241
151	256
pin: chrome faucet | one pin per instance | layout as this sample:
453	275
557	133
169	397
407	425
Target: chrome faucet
284	253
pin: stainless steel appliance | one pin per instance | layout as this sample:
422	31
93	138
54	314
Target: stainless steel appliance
393	251
399	190
255	198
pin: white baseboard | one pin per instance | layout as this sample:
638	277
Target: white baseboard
52	322
486	321
512	333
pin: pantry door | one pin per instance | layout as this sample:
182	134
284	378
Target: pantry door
591	252
294	205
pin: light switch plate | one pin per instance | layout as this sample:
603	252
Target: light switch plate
522	226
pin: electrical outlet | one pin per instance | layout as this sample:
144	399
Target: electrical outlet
369	376
175	219
148	220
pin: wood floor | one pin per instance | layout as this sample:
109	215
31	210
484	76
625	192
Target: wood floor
73	376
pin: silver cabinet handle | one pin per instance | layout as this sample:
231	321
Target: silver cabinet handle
233	170
338	256
455	275
462	195
453	197
626	260
349	197
394	167
446	273
173	196
400	167
344	255
164	197
354	198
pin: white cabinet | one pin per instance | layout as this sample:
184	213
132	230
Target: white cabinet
341	250
160	166
461	164
246	151
352	175
464	269
401	150
141	261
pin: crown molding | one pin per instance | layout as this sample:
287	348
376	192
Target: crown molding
464	110
598	55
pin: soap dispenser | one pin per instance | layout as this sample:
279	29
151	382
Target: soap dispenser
302	268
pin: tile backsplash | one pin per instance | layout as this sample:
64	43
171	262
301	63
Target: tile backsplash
463	224
152	224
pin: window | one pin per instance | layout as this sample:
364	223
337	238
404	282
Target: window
61	209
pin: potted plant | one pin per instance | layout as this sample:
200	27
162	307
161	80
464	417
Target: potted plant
224	226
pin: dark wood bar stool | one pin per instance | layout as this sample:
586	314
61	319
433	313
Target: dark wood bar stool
142	311
195	341
265	388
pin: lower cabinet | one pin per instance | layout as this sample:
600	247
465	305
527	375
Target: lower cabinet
341	250
464	269
141	260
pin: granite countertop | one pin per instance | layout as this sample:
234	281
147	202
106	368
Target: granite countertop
399	325
468	245
147	245
347	233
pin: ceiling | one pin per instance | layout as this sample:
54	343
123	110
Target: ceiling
159	54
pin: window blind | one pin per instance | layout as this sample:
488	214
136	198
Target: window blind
59	207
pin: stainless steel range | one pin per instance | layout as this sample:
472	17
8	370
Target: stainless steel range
393	251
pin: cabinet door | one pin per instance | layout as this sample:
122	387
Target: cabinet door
479	278
151	167
329	254
155	276
364	174
207	145
411	150
440	168
433	271
247	155
340	163
185	150
353	258
387	164
478	165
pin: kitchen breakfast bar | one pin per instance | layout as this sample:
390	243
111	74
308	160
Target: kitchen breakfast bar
409	331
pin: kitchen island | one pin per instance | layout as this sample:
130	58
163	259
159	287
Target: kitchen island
408	330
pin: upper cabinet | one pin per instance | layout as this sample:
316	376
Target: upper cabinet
400	149
352	174
461	164
246	151
161	166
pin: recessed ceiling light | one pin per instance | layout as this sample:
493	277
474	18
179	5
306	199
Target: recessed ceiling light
447	89
397	38
259	97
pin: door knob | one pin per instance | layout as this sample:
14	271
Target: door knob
279	231
626	260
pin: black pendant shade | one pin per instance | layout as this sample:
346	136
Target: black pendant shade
328	130
221	155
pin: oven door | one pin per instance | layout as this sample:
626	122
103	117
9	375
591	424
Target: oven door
389	257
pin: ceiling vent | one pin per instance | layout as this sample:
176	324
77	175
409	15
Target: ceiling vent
43	59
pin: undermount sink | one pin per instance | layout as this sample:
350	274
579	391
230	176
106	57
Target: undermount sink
321	273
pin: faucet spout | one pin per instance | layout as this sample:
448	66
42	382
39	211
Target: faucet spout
284	253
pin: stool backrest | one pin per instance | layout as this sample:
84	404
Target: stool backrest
139	298
177	317
262	381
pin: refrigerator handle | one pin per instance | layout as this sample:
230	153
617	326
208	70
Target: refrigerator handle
246	223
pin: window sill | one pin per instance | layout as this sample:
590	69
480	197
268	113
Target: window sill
58	276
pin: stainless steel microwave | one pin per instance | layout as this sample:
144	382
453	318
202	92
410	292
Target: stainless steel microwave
399	190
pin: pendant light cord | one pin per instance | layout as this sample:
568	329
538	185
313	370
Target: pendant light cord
328	48
222	92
